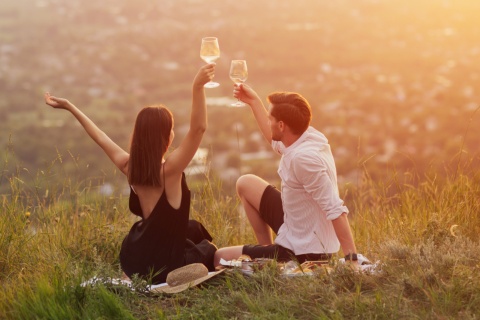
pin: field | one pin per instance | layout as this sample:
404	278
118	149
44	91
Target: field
393	84
425	239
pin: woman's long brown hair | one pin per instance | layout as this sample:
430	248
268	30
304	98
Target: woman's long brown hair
149	143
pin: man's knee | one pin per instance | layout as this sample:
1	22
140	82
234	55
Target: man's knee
244	183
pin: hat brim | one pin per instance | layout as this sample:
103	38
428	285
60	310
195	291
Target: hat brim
165	288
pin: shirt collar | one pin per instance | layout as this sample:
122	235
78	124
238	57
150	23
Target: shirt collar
294	145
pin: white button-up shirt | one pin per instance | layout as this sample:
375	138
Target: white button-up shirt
310	195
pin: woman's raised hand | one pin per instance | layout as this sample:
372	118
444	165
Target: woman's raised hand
55	102
204	75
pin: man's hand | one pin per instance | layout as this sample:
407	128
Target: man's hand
358	261
351	261
246	94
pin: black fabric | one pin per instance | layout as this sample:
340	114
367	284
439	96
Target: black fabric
271	208
134	204
157	245
196	232
271	251
275	251
313	257
202	252
199	248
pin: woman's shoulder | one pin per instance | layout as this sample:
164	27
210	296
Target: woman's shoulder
169	170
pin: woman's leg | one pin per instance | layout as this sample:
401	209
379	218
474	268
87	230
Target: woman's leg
250	189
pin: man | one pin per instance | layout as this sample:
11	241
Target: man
307	215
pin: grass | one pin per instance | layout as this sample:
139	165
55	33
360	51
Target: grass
56	231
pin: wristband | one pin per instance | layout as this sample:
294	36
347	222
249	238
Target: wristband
351	257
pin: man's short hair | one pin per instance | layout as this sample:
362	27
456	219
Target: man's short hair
291	108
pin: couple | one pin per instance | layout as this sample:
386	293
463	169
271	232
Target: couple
307	215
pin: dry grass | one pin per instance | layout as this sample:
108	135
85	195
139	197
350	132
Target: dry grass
424	231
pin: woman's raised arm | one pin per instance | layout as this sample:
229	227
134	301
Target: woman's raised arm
118	156
181	157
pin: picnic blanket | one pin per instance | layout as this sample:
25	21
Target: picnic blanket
293	268
126	283
286	269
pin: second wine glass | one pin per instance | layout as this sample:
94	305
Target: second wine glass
238	74
210	52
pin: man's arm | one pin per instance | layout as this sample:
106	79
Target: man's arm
313	174
246	94
344	234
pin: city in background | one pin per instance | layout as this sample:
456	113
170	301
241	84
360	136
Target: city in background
394	85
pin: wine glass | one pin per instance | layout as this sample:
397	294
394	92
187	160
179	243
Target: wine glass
210	52
238	74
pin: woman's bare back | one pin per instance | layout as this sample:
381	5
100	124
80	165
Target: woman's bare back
149	196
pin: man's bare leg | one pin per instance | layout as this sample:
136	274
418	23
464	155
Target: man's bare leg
227	253
250	189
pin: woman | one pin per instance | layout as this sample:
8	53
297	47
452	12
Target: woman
164	239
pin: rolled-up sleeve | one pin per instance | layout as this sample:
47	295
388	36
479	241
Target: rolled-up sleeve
319	182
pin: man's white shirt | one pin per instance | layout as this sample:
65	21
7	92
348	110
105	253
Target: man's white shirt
310	195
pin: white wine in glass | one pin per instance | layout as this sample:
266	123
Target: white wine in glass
210	52
238	74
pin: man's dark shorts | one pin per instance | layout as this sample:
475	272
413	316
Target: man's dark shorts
271	211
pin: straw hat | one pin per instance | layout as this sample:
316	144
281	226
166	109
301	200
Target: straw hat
185	277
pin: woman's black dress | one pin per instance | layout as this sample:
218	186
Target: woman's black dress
165	241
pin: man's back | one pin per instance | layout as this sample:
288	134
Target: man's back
309	195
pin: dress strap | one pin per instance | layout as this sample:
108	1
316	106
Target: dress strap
163	167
